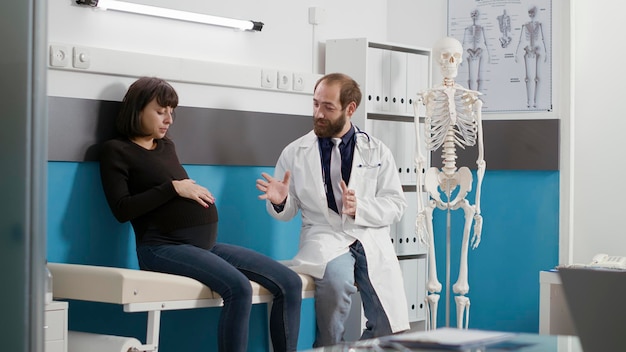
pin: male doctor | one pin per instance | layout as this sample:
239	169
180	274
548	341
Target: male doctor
344	242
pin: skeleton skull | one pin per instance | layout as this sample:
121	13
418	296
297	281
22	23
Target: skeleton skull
474	14
449	54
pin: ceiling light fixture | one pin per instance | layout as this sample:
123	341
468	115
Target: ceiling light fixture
245	25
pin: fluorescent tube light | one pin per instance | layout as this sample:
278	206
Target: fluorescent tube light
246	25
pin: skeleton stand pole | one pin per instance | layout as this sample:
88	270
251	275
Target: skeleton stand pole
448	227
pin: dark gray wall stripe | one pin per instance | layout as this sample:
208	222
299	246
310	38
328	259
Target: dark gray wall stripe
513	145
77	126
231	137
202	136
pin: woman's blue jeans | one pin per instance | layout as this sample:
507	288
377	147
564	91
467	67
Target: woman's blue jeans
227	269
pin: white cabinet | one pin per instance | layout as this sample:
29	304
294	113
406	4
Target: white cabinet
414	272
554	314
403	233
55	328
390	77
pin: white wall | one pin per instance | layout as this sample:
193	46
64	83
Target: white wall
598	130
287	42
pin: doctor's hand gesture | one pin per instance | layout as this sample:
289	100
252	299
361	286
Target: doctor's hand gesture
348	198
274	190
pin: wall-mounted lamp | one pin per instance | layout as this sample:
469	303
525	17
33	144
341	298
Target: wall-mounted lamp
175	14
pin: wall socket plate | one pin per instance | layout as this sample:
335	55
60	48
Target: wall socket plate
284	80
268	78
298	82
81	57
59	56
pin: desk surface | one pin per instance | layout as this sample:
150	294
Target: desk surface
519	343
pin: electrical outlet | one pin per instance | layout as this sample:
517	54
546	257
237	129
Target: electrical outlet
59	56
298	82
81	57
284	80
268	78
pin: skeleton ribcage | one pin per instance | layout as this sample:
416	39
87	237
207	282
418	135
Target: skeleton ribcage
440	118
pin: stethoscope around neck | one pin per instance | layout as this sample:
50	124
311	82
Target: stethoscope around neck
366	157
366	161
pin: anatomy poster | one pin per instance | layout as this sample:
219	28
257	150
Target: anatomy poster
506	51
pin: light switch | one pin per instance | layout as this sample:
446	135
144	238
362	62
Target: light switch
81	57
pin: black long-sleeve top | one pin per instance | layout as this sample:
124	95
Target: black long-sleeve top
138	187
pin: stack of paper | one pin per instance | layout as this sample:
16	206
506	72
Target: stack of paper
448	338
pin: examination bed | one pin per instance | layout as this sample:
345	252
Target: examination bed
145	291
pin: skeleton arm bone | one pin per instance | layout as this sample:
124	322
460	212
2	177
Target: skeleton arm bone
486	47
521	40
420	164
482	165
420	160
543	42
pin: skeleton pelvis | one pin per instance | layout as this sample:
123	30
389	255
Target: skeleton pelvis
436	181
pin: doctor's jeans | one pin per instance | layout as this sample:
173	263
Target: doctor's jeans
333	297
227	269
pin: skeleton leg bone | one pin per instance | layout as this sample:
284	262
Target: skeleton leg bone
433	286
462	306
536	83
530	60
462	286
432	301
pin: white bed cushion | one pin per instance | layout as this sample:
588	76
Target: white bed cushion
124	286
308	286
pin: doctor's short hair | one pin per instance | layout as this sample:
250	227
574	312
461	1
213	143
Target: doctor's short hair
138	96
350	90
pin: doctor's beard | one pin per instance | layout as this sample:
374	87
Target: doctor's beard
327	128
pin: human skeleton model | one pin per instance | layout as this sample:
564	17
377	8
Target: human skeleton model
475	44
452	118
531	38
504	21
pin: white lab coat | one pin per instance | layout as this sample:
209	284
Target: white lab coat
326	235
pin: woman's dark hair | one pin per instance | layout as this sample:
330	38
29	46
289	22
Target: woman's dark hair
349	91
140	94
